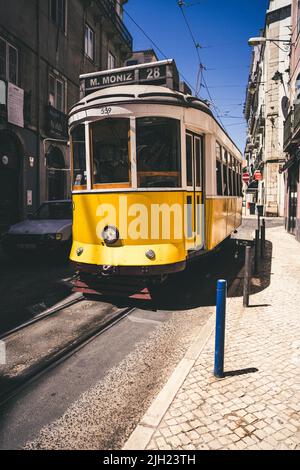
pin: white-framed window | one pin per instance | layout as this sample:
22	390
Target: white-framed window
89	42
9	58
57	92
111	61
58	13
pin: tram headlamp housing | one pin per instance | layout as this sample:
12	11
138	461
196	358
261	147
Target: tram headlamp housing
110	235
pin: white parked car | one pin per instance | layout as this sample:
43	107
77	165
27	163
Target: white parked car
49	229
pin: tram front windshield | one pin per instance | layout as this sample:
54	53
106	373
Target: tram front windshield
158	152
110	150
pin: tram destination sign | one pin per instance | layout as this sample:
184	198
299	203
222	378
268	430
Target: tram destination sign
162	73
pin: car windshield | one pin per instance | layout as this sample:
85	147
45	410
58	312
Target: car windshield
54	211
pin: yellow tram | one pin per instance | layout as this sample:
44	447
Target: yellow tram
156	179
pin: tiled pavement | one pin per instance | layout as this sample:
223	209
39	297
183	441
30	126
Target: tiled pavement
257	405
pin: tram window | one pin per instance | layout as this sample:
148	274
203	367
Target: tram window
230	193
110	151
219	179
219	169
189	160
158	152
198	158
225	173
79	156
234	186
239	179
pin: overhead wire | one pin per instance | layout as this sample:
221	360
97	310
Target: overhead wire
201	65
155	45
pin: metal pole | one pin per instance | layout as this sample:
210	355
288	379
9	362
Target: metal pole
256	251
263	239
220	329
258	221
247	277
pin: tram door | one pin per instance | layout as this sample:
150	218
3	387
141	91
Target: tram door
194	196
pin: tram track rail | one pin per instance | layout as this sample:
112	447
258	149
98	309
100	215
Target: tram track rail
41	316
36	371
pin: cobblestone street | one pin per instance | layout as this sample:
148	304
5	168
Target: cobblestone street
257	405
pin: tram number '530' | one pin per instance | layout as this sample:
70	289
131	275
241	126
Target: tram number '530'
153	73
106	111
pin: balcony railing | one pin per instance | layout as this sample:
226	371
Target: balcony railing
109	11
292	124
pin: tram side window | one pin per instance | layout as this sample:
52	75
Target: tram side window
219	169
79	156
225	173
234	174
110	151
189	160
230	189
158	152
240	180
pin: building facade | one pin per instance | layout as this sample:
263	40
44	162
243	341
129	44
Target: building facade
44	46
142	57
292	132
266	109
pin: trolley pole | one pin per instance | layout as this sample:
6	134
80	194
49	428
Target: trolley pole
256	251
220	329
247	277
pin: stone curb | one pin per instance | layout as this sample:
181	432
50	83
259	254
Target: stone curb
141	436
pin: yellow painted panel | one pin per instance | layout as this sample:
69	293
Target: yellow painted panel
223	216
92	212
216	221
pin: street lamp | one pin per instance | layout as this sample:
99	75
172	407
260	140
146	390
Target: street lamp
261	40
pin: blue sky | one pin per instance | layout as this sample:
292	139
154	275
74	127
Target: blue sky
222	28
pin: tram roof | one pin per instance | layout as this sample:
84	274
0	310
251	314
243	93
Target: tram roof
134	94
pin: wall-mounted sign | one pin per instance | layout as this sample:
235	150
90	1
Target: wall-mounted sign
257	175
29	197
246	177
56	123
15	105
3	100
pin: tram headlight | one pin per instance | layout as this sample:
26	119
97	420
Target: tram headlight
110	235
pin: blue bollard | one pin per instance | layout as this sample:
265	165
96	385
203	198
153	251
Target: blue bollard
220	329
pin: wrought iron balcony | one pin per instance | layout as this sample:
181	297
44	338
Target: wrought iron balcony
292	125
109	11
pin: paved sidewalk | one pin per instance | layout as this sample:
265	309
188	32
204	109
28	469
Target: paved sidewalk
257	405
